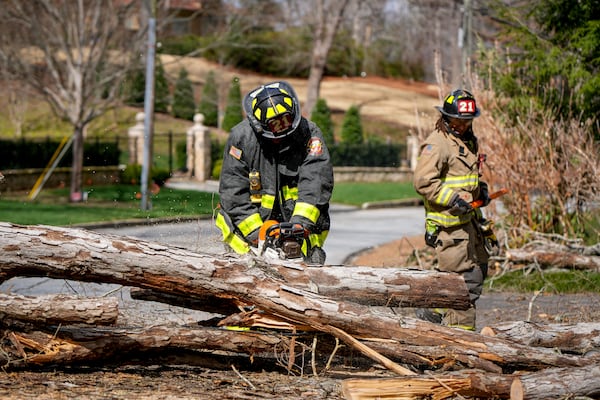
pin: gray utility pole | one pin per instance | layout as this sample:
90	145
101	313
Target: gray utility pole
148	106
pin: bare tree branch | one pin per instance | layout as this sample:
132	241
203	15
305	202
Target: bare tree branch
75	54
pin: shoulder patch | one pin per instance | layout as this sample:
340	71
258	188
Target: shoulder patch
427	149
315	147
235	152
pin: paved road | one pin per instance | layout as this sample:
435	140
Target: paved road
352	230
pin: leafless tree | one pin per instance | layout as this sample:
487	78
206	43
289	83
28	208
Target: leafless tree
75	54
17	106
324	18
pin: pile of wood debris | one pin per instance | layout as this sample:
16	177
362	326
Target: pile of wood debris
351	305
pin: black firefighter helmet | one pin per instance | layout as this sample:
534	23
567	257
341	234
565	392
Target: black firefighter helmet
273	109
459	104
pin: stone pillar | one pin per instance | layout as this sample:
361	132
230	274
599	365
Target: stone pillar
136	140
190	152
412	149
199	153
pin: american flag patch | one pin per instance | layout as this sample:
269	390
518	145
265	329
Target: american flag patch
235	152
427	149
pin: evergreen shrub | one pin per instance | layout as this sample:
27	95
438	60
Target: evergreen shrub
321	115
233	112
369	154
209	101
352	130
184	105
22	153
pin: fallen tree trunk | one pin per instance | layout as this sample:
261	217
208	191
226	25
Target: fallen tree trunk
557	259
84	255
71	344
552	383
55	309
573	338
392	287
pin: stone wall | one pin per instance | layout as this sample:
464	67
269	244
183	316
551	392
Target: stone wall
372	174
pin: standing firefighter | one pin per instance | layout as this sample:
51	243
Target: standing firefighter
447	176
276	166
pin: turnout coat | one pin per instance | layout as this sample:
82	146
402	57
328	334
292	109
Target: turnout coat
261	179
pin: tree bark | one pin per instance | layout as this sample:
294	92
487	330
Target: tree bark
71	344
577	338
57	309
390	287
556	259
84	255
553	383
393	287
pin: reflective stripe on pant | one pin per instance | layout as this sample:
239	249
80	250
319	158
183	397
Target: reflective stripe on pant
463	319
235	242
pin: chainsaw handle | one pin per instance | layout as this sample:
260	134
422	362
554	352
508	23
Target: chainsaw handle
479	203
286	229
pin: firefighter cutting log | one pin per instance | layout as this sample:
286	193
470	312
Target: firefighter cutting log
276	166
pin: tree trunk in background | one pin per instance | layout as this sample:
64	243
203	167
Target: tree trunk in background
83	50
77	166
326	26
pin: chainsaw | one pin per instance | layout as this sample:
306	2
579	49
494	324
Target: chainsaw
281	240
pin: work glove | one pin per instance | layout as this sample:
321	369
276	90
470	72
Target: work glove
484	194
252	237
305	223
458	206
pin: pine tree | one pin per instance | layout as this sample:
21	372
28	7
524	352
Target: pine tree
161	89
184	105
209	102
233	112
321	115
134	88
352	131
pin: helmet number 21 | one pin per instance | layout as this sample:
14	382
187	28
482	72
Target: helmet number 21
280	123
466	106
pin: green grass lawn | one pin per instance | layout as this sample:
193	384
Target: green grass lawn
548	281
119	202
105	204
357	193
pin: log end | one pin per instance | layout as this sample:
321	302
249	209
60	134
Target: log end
516	390
487	331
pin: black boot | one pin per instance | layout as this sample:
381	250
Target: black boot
429	315
316	256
